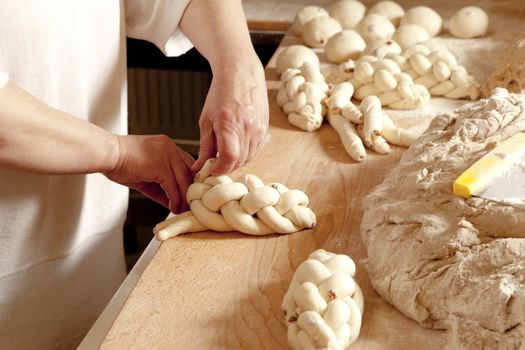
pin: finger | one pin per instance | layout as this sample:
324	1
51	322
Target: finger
185	157
229	148
168	183
154	192
207	148
184	178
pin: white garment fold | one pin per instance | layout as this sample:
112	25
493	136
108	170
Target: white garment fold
61	236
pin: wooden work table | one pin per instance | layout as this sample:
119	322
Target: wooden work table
224	290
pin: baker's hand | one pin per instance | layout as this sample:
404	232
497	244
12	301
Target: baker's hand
155	166
234	119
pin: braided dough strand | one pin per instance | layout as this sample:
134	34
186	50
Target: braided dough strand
323	306
247	205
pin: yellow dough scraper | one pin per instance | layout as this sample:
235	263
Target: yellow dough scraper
498	176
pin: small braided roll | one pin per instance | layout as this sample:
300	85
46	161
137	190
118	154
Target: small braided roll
382	77
323	306
438	71
300	96
247	205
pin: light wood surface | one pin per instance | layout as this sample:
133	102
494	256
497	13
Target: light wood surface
224	290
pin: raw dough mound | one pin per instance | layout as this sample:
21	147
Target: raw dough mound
304	15
317	32
447	262
323	306
345	45
390	9
348	12
510	72
407	35
373	27
295	56
246	205
468	22
425	17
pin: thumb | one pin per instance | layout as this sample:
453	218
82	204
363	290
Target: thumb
207	150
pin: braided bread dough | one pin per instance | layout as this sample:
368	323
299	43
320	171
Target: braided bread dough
382	47
367	123
323	306
438	71
510	71
247	205
447	262
301	94
295	56
383	78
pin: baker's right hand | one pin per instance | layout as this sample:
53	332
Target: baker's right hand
155	166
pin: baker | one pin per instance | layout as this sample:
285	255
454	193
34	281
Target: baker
64	155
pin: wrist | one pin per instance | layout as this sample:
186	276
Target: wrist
115	149
245	63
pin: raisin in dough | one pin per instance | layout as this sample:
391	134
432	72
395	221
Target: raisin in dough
447	262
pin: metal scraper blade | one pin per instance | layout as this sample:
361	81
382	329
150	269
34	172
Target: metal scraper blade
508	187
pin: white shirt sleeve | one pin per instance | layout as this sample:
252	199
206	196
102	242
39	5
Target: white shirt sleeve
4	78
157	21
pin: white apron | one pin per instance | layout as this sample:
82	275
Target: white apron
61	252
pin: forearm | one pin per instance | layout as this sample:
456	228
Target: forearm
38	138
219	31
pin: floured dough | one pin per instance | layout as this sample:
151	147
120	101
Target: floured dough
317	32
295	56
425	17
468	22
407	35
345	45
510	71
390	9
348	12
373	27
247	205
304	15
447	262
323	306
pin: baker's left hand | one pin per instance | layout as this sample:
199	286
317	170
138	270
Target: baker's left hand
234	120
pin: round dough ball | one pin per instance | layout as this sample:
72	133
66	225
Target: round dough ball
468	22
382	47
294	57
409	34
304	15
348	12
425	17
390	9
374	26
345	45
317	32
